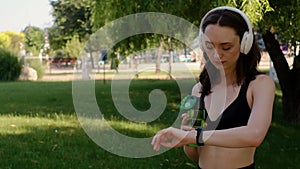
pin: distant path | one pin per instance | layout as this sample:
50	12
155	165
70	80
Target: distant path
66	74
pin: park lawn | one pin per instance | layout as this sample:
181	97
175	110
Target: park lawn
39	129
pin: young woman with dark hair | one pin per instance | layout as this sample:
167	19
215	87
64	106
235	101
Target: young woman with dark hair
231	135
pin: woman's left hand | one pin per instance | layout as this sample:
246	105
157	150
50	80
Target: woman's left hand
173	137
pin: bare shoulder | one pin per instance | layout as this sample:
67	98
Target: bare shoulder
263	82
264	79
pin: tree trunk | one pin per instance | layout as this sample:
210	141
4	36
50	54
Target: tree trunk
158	57
288	79
92	60
170	57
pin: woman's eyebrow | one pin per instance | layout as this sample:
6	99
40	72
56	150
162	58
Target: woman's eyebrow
226	43
223	43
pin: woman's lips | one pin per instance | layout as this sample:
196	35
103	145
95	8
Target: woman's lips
219	62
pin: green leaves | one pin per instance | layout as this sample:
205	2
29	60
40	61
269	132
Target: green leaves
34	39
74	47
71	18
10	67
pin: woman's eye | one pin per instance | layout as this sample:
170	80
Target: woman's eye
226	48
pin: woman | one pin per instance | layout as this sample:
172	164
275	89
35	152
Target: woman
229	139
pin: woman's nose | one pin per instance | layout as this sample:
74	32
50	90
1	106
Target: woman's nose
218	53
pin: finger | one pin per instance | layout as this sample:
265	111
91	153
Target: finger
168	144
156	147
184	114
186	128
155	143
157	139
185	122
185	118
153	140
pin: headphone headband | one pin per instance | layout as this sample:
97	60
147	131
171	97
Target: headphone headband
247	39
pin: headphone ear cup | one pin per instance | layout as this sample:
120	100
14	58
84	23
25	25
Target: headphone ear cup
243	42
246	43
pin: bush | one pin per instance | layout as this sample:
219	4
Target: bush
36	65
10	66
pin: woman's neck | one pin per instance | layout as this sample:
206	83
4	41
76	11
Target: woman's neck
231	78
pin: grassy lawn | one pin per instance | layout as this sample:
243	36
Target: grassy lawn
39	129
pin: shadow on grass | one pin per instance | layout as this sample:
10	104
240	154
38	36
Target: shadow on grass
69	147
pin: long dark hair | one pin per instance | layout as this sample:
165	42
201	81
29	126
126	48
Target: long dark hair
246	68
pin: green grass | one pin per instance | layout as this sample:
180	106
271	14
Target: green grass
39	129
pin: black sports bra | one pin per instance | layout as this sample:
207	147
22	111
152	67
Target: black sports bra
235	115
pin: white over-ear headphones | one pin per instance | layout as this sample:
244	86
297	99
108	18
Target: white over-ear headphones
247	39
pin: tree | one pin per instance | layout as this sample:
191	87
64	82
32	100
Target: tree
72	17
34	39
104	12
284	22
4	40
11	41
73	47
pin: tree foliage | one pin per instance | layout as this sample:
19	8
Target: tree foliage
4	40
11	41
104	12
285	21
71	17
255	10
73	47
84	17
34	39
